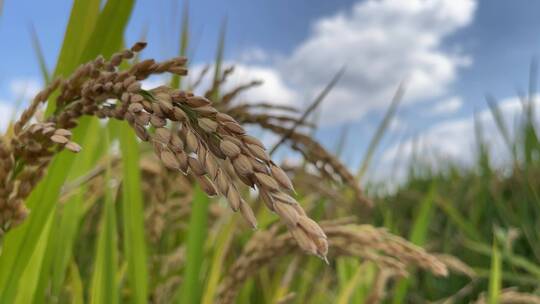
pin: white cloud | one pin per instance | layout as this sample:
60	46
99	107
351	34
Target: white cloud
456	139
381	43
6	112
19	89
452	139
273	90
25	88
397	124
447	106
254	54
153	82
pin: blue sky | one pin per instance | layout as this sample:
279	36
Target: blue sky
452	52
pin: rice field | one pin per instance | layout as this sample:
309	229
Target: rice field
111	193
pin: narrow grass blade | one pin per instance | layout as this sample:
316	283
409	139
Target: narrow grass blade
109	30
342	140
381	130
495	276
82	20
345	268
367	283
310	270
245	295
283	280
484	169
59	243
184	40
220	247
190	291
309	109
419	231
510	258
219	60
75	283
104	287
30	276
417	236
501	125
458	219
60	246
20	243
346	293
508	277
104	39
39	54
81	23
132	214
533	82
70	218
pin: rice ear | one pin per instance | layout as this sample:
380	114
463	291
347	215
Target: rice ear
202	137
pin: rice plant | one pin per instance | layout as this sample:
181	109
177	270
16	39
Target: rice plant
112	193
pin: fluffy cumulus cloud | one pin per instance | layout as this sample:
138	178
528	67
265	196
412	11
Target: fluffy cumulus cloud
6	112
274	88
24	88
381	43
254	55
446	106
19	89
456	139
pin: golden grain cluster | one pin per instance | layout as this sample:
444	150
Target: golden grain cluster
188	134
